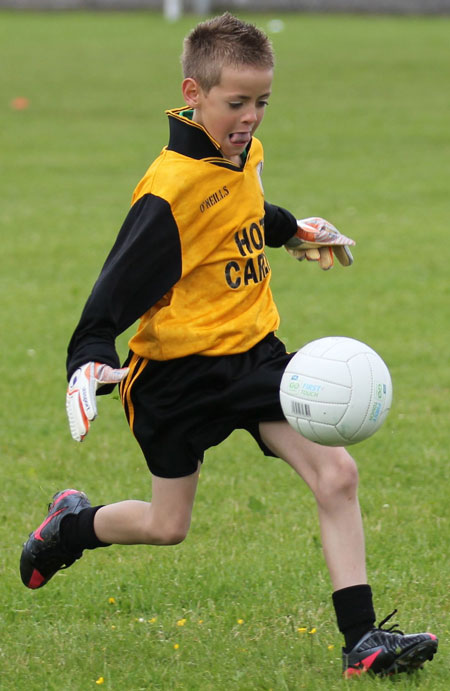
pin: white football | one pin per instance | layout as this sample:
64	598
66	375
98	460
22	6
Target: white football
336	391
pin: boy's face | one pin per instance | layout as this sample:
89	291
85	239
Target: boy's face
232	110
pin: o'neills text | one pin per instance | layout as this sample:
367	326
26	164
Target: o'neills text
214	198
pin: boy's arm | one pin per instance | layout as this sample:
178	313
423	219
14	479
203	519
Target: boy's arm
279	225
144	263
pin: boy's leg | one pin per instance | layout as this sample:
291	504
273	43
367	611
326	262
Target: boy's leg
331	474
164	521
73	525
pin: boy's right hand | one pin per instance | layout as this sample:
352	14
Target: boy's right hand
81	404
317	240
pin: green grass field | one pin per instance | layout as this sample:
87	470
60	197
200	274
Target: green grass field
357	131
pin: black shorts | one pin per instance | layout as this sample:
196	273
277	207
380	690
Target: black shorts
179	408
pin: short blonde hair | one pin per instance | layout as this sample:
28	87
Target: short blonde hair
224	41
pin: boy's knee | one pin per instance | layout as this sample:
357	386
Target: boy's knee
165	532
338	478
174	535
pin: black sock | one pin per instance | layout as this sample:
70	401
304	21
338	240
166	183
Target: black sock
354	612
77	531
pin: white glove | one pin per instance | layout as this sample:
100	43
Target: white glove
316	240
81	404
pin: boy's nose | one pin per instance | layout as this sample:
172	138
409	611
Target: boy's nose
250	115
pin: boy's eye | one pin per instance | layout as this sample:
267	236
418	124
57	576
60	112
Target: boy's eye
237	104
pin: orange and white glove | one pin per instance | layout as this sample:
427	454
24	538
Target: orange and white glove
81	404
318	240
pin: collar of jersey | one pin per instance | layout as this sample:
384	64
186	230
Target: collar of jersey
191	139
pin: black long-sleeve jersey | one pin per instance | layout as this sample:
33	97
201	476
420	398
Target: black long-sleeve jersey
189	259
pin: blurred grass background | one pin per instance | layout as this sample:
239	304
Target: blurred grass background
357	132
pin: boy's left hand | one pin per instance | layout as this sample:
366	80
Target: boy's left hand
317	240
81	405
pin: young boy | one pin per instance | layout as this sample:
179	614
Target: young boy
189	262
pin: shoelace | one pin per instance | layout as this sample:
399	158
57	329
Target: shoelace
392	629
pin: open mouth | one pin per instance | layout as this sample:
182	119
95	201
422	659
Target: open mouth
240	138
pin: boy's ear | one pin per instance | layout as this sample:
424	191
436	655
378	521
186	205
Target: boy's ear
191	92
